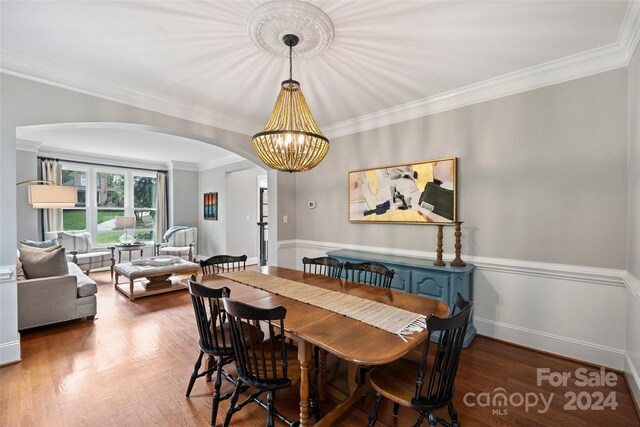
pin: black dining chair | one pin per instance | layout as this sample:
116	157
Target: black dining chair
269	365
425	386
369	273
326	266
223	264
215	338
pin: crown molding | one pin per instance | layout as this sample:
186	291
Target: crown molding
598	60
124	162
184	166
222	161
26	145
30	68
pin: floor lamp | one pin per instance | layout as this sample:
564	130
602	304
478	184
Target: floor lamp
50	195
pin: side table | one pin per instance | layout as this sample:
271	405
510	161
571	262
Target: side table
129	248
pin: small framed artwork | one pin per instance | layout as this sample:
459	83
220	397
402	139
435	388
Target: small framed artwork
413	193
211	206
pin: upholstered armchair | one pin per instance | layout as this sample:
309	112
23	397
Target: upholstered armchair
80	250
181	242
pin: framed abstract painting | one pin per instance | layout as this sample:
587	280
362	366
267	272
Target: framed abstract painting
211	206
414	193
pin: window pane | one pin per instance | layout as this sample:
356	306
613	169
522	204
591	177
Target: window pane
144	192
145	224
110	190
77	179
107	233
74	219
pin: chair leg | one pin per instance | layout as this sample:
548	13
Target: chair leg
207	366
433	421
194	374
396	407
454	415
419	422
373	416
270	422
216	392
232	404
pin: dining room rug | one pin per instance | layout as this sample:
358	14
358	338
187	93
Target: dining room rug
382	316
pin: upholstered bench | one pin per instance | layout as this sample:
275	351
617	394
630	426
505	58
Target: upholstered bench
156	274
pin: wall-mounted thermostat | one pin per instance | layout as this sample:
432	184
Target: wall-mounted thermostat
311	204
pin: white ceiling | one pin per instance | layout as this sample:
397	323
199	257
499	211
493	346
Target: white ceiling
196	59
112	141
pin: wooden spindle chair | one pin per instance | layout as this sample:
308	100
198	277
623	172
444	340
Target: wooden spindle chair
269	365
215	338
369	273
326	266
223	264
430	384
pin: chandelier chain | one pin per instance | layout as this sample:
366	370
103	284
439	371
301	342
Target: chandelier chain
290	62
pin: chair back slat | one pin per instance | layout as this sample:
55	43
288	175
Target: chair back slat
262	363
223	264
442	373
210	317
326	266
369	273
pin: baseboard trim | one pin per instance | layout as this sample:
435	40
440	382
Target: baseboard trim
9	352
576	349
633	380
578	273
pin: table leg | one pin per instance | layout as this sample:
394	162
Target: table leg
119	256
141	252
322	375
352	375
304	356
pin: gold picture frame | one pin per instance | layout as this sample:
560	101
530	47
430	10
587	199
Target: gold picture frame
412	193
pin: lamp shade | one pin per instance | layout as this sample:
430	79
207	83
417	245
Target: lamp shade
53	196
124	222
291	140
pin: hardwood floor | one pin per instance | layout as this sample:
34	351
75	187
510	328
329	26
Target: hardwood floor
131	367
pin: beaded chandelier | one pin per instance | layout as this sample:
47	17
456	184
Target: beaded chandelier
291	141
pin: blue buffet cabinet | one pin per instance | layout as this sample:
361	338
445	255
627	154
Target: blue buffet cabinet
419	276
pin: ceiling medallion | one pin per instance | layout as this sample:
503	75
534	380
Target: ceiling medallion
270	22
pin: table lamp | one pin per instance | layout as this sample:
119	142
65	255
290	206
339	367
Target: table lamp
125	222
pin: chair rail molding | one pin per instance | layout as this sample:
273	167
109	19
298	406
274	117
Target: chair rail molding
503	283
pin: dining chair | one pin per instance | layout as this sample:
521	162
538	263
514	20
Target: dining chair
223	264
326	266
215	339
369	273
268	365
427	385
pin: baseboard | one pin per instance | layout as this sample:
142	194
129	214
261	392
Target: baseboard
633	379
252	261
576	349
9	352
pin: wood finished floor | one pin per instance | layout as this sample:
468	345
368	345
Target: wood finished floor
131	367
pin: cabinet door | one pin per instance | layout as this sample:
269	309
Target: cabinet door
431	284
401	279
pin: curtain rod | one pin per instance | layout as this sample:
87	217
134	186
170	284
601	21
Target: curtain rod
100	164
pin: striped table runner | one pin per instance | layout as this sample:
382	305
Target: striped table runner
382	316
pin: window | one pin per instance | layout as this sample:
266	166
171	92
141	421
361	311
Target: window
75	219
144	207
118	192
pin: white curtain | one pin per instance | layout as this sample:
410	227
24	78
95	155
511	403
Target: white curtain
52	218
161	205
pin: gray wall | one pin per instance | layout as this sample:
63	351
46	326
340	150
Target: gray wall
212	239
633	102
185	195
241	211
286	206
26	169
541	176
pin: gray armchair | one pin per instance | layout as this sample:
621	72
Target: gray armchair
80	250
182	243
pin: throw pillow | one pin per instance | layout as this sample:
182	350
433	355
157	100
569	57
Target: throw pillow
80	241
36	244
19	271
38	263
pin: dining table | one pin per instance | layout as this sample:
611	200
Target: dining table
349	339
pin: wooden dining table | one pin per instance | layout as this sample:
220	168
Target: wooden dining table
346	338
